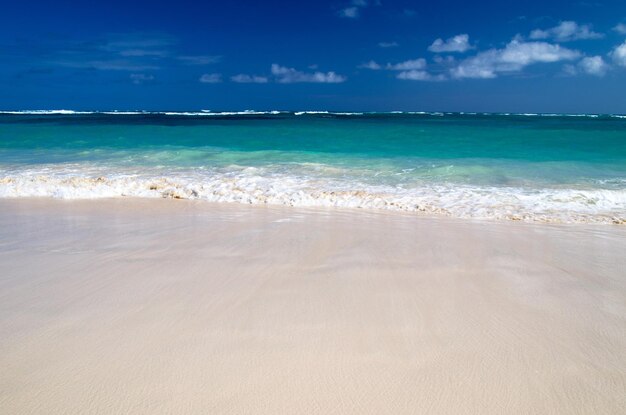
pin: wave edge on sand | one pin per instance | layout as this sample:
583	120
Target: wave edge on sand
461	201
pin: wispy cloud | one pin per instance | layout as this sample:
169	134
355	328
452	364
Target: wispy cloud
138	44
388	44
412	70
444	60
107	65
418	75
353	10
566	31
144	52
199	59
373	65
249	79
211	78
132	52
114	52
285	75
620	28
514	57
459	43
407	65
140	78
411	64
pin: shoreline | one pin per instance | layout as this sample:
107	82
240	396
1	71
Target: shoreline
161	193
161	306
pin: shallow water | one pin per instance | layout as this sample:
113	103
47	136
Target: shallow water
505	166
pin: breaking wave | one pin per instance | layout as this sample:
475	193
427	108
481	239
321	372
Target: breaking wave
209	113
252	185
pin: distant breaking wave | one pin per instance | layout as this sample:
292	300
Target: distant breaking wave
192	113
260	186
208	113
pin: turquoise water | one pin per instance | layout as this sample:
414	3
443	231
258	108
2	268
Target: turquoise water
502	166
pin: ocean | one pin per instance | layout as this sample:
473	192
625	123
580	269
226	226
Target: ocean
529	167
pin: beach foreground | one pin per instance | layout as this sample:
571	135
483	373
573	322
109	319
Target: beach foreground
166	306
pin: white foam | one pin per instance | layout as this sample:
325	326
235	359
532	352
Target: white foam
251	185
124	112
310	112
222	113
277	112
327	112
46	112
188	113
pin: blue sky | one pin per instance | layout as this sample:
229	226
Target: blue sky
534	56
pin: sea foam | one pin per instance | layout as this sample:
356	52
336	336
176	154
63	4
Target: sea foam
259	186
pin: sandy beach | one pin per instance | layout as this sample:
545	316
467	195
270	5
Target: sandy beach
178	307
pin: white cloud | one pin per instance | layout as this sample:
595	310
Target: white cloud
459	43
249	79
388	44
211	78
199	59
566	31
286	75
515	56
409	65
593	65
140	78
620	28
419	75
619	54
527	53
371	65
413	70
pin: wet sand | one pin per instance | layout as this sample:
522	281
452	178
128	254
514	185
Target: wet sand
179	307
